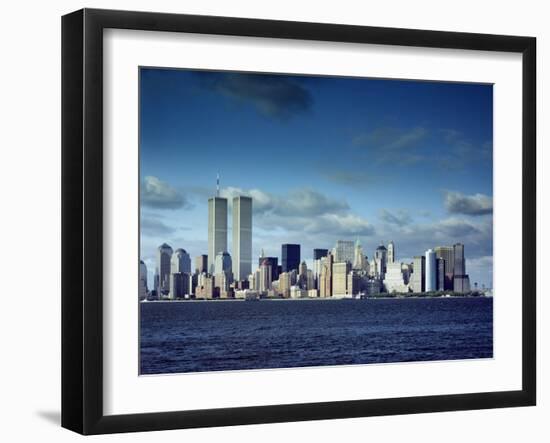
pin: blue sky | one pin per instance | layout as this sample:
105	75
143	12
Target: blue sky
324	158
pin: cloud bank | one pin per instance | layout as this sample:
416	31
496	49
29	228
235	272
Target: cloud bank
274	96
158	194
477	204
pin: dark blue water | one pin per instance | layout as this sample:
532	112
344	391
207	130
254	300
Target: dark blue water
214	336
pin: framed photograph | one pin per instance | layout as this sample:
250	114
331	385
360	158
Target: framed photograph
268	221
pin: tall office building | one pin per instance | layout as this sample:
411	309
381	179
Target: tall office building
447	254
340	271
381	259
264	283
201	263
273	262
164	257
180	262
344	251
431	271
440	266
394	279
142	280
242	237
417	278
319	253
217	229
223	263
284	284
461	281
391	252
290	257
459	265
325	279
360	262
179	285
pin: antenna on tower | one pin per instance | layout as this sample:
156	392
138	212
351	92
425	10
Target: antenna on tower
218	184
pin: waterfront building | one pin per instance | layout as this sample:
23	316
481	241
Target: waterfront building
380	259
461	281
180	262
290	256
317	266
193	283
440	267
207	288
284	284
223	264
201	263
217	229
310	280
264	283
242	237
373	269
340	272
391	252
179	285
431	271
360	262
394	279
313	293
325	288
373	286
417	279
302	275
223	283
353	284
406	269
164	256
297	292
344	251
273	262
142	291
447	254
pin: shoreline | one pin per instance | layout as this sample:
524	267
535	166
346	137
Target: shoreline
201	300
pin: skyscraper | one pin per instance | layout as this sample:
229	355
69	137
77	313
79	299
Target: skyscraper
319	253
461	281
340	272
217	229
242	237
360	262
344	251
290	254
180	262
164	256
417	278
273	262
179	285
264	283
201	263
440	265
142	280
381	259
325	279
391	252
223	263
431	271
459	265
447	254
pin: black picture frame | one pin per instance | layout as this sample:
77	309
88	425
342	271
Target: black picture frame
82	218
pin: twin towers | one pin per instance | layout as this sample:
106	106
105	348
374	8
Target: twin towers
242	234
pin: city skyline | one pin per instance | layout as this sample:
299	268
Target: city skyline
370	180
